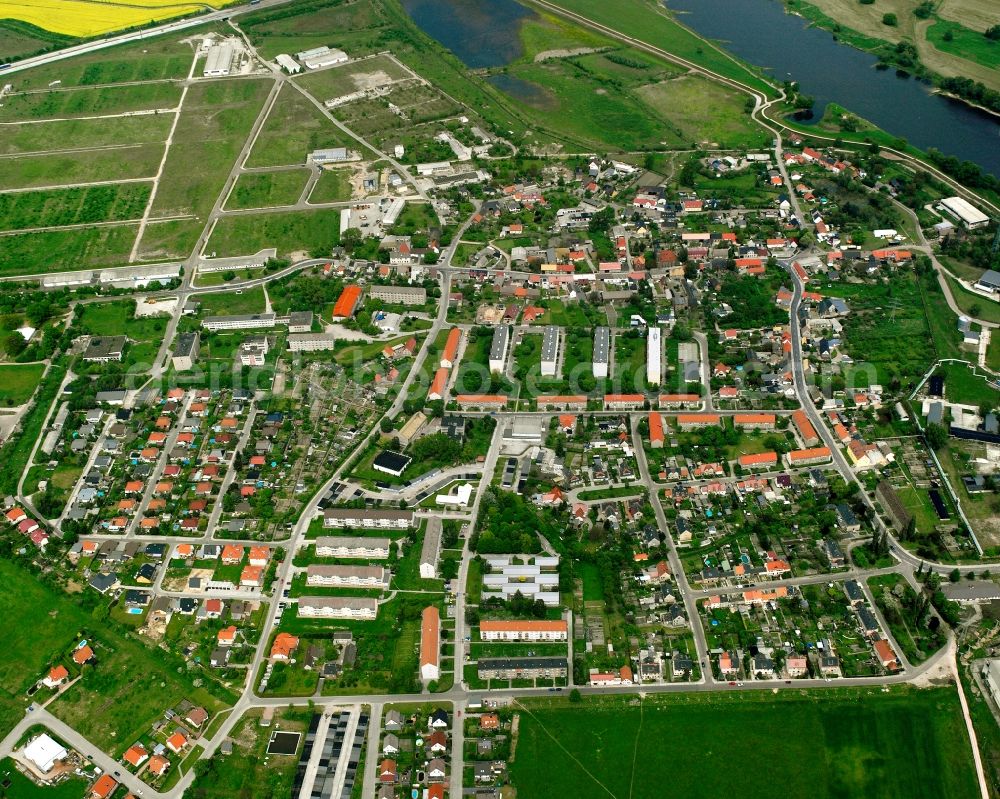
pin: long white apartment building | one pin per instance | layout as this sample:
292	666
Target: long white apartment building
499	348
239	322
550	350
654	356
529	630
337	607
353	547
349	576
602	351
379	518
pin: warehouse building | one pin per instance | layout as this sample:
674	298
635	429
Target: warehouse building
352	547
653	356
186	351
602	351
219	60
347	303
499	348
550	350
965	212
399	295
338	607
319	57
333	155
287	63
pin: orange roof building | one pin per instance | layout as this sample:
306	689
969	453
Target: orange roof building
438	385
530	630
805	428
802	457
688	421
759	460
655	430
347	302
283	647
450	354
430	644
104	787
764	421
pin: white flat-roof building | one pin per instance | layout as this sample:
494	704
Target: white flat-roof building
332	155
368	517
431	549
239	322
550	350
499	348
654	350
287	63
311	342
323	56
44	752
965	212
602	350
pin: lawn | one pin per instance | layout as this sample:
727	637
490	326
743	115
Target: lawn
268	189
963	385
75	206
334	185
315	231
18	382
22	788
975	305
17	449
66	250
213	127
118	319
36	137
248	772
831	744
229	303
89	102
54	169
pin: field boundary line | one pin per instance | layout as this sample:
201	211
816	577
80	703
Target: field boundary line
568	753
163	162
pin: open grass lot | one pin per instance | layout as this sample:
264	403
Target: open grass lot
268	189
334	185
294	128
900	327
288	231
160	58
45	626
213	128
993	353
89	102
174	238
58	169
118	319
23	788
65	250
248	772
963	385
224	304
704	112
351	77
831	744
593	109
545	32
57	207
18	381
39	137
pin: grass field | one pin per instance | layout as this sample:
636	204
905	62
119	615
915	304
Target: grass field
965	43
334	185
37	137
77	18
288	231
57	169
214	124
18	381
20	39
118	319
973	304
835	744
268	189
81	205
310	25
964	386
652	25
23	788
294	128
90	102
351	77
704	112
250	301
65	250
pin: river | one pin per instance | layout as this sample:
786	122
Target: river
485	33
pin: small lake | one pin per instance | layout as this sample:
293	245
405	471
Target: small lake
482	33
760	32
485	33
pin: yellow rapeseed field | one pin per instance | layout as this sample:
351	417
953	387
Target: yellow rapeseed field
86	18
